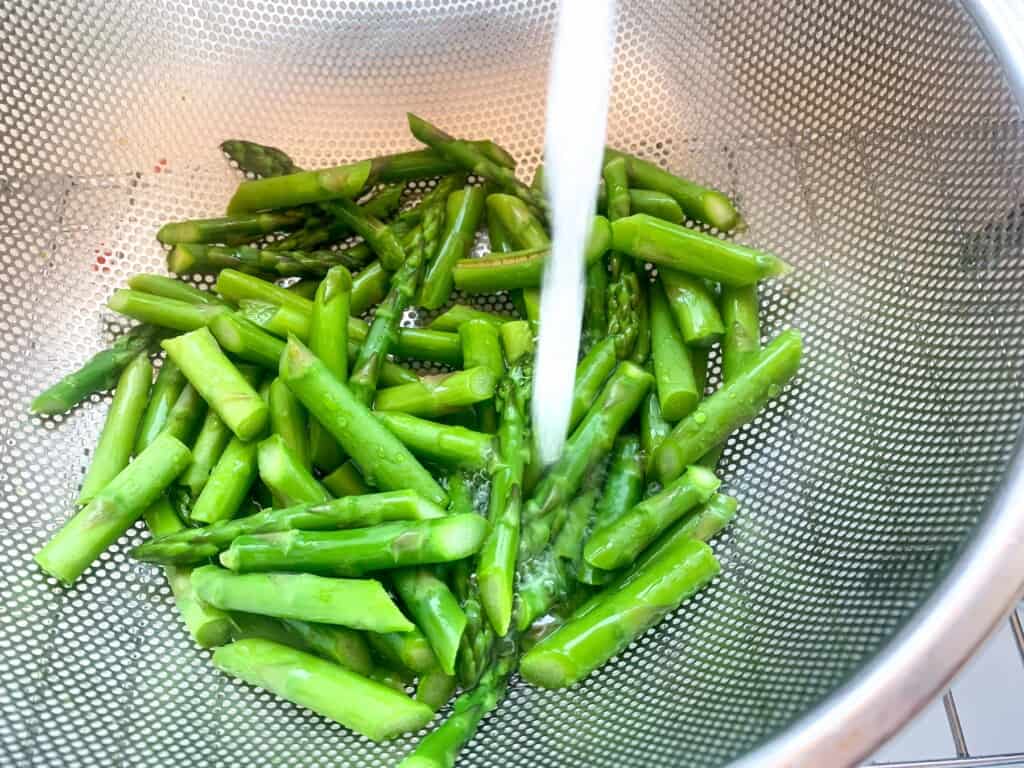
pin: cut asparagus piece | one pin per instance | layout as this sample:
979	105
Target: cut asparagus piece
228	484
82	538
436	611
439	396
346	481
229	229
258	159
193	258
117	439
404	650
618	615
449	446
295	189
453	318
356	603
674	379
210	443
694	307
170	288
186	415
288	420
670	245
196	544
285	475
236	286
246	340
369	287
328	340
358	551
732	406
219	382
591	374
162	311
380	456
464	208
366	706
168	386
435	688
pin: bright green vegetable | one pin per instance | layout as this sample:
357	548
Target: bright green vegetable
162	311
170	288
168	386
283	473
439	396
436	611
450	446
674	379
228	484
453	318
694	307
230	229
464	209
343	181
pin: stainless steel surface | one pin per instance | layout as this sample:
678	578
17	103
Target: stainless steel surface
875	144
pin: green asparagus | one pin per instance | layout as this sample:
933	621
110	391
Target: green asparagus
464	208
169	288
432	397
228	483
694	307
283	472
346	481
453	318
162	311
436	611
343	181
674	379
210	443
168	386
230	229
449	446
258	159
288	420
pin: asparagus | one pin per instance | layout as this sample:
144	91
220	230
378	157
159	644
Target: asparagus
366	706
236	286
700	203
354	552
288	420
100	372
258	159
618	615
453	318
497	235
671	245
674	378
439	396
624	483
232	228
169	383
435	688
617	543
379	236
497	562
117	439
219	382
591	374
186	415
436	611
346	481
321	232
464	208
653	428
694	307
343	646
481	345
584	450
228	484
196	544
246	340
450	446
649	201
595	312
119	504
162	311
642	345
369	287
284	474
522	228
469	158
295	189
733	405
381	457
409	651
523	269
191	259
170	288
328	340
210	443
207	625
305	288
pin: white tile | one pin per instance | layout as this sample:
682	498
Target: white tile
927	736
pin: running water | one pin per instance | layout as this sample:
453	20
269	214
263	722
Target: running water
577	111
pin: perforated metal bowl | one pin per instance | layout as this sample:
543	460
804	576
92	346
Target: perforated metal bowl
875	144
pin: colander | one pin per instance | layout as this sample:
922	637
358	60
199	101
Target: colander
876	144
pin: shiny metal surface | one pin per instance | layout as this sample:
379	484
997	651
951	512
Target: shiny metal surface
875	144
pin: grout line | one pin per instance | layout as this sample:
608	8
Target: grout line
988	761
956	728
1018	632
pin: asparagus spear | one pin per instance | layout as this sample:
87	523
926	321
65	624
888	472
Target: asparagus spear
369	287
228	483
168	386
732	406
286	476
481	345
439	396
497	562
595	312
196	544
343	646
404	650
288	420
617	543
674	379
210	443
469	158
450	446
100	372
328	340
584	450
82	538
117	439
670	245
624	483
207	625
435	688
232	228
346	481
464	208
185	415
523	269
379	236
191	259
236	286
295	189
642	346
618	615
453	318
356	603
700	203
246	340
162	311
366	706
258	159
522	229
649	201
354	552
170	288
591	374
653	428
436	611
321	232
694	307
219	382
381	457
497	235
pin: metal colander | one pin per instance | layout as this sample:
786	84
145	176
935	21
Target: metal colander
876	145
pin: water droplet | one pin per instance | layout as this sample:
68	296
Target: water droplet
700	417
